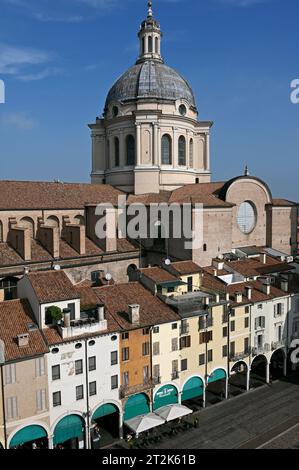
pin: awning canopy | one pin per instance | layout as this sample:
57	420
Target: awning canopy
171	412
144	423
70	427
171	283
28	434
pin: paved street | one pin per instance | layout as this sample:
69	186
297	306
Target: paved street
247	421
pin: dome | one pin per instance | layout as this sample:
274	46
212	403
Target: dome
150	80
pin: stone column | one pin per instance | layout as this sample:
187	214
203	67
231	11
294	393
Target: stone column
122	153
50	442
138	144
285	362
175	150
187	150
204	397
159	146
268	372
121	429
226	388
155	145
248	379
207	156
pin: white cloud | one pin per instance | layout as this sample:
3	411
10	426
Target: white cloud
19	120
13	58
45	73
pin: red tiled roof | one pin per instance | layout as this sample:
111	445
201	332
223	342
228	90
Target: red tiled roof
157	274
186	267
52	286
283	202
45	195
117	298
15	316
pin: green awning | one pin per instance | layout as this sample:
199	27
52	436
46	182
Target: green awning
171	283
192	389
104	410
218	374
167	395
28	434
70	427
136	405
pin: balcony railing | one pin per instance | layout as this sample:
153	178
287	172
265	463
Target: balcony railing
80	327
156	380
261	349
126	390
240	355
175	375
205	323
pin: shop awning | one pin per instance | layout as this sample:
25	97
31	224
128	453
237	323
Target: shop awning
144	423
171	412
171	283
70	427
28	434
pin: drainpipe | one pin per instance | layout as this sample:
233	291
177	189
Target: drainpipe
151	369
228	312
3	410
88	441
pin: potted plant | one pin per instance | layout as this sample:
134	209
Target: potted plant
53	315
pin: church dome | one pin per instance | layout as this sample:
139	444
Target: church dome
152	80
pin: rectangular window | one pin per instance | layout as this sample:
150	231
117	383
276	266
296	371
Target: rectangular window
174	344
114	358
246	322
278	309
246	344
56	399
125	354
126	379
79	367
185	342
224	332
92	363
205	337
156	330
175	366
145	331
174	326
10	374
114	382
232	326
92	389
260	322
156	349
71	307
145	349
11	408
232	348
145	374
39	367
260	306
40	400
247	309
190	283
125	335
79	392
156	371
224	350
297	306
55	372
202	359
184	364
210	355
232	313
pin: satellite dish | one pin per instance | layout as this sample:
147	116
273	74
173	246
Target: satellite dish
167	262
57	267
108	277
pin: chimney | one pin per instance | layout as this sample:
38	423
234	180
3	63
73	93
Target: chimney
218	263
266	288
217	298
227	296
134	314
263	258
207	301
101	312
284	284
23	340
239	297
67	317
248	290
215	272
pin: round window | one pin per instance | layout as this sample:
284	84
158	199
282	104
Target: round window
113	338
55	351
92	342
246	217
78	346
183	110
115	111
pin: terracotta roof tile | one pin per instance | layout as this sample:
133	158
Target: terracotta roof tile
117	299
15	315
45	195
186	267
157	274
52	286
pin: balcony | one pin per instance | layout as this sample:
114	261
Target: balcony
240	355
261	349
225	318
205	323
277	345
126	390
81	327
175	375
156	380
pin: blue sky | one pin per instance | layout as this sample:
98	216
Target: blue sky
58	59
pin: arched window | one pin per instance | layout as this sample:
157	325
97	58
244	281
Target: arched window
166	150
1	232
116	151
191	153
157	45
108	154
205	247
150	44
130	146
182	151
143	45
